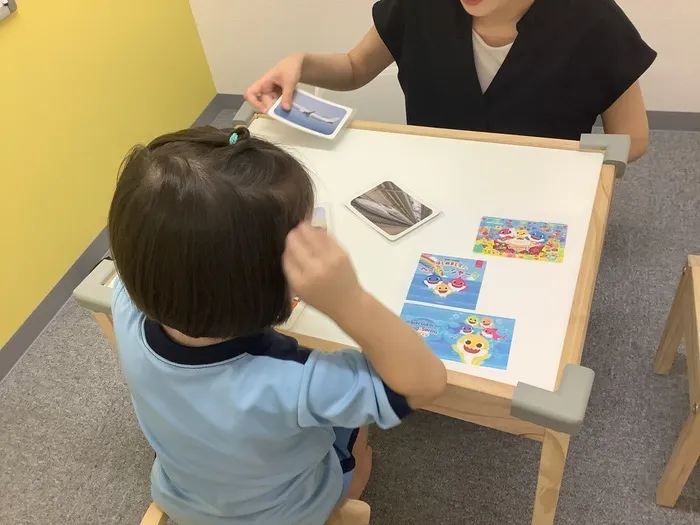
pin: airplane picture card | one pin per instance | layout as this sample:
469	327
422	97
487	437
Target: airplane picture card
312	114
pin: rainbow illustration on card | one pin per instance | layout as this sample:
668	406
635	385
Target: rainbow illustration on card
447	281
470	338
520	239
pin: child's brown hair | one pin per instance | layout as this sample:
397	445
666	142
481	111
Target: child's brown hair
197	229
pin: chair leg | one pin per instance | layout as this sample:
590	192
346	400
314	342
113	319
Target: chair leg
684	457
154	516
353	512
673	331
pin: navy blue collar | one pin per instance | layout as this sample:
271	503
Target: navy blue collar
268	343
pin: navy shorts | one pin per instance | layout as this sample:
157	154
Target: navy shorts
344	441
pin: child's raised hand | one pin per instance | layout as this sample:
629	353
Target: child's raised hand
320	271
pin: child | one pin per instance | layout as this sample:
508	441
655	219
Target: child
208	235
528	67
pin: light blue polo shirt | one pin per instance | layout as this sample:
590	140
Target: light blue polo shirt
243	430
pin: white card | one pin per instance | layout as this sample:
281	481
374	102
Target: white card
322	217
297	307
312	114
391	211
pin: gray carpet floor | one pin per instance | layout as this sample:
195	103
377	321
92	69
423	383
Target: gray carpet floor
71	451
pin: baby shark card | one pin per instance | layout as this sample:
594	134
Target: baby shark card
470	338
447	281
519	239
441	289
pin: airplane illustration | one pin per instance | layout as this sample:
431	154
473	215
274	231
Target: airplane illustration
312	114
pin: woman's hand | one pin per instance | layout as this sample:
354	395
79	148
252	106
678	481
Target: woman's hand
280	81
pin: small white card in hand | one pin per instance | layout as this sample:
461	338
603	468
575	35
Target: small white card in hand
312	114
297	307
322	217
391	211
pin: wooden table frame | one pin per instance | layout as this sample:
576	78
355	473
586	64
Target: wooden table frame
486	402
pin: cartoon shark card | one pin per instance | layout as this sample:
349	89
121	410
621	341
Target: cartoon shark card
518	239
447	281
474	339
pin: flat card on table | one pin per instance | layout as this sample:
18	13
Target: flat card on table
447	281
312	114
521	239
470	338
391	211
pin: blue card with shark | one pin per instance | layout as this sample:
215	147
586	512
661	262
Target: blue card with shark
471	338
447	281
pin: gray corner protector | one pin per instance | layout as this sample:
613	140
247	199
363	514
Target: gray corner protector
92	293
561	411
616	148
244	115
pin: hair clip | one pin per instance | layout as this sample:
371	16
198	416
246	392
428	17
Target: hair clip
233	138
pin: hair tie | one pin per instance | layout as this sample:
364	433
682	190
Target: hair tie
233	138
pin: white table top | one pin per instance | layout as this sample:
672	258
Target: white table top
465	180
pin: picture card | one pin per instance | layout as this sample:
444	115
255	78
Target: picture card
312	114
321	217
521	239
391	211
448	281
297	307
470	338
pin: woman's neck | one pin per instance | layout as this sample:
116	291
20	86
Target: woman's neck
500	27
185	340
510	13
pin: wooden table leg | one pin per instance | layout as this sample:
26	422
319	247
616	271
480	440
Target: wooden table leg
684	457
673	331
554	449
105	323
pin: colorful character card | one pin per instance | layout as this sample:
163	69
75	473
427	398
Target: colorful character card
470	338
535	241
448	281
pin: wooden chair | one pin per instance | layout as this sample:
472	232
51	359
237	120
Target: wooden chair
683	323
354	512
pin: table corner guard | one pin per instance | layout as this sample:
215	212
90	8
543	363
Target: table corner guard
615	147
561	411
92	294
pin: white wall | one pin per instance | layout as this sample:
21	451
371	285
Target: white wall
243	38
672	28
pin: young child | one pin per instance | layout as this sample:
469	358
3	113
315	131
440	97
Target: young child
209	236
528	67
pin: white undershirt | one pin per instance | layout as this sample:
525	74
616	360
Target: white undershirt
488	60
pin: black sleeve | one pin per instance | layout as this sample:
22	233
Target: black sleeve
398	403
390	22
622	55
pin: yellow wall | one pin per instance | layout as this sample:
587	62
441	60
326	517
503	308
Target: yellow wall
81	82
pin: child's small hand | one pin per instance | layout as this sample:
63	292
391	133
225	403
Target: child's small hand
320	271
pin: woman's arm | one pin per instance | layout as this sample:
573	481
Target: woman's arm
348	71
628	116
339	72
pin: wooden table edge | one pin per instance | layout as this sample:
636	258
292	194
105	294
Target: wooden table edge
476	136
